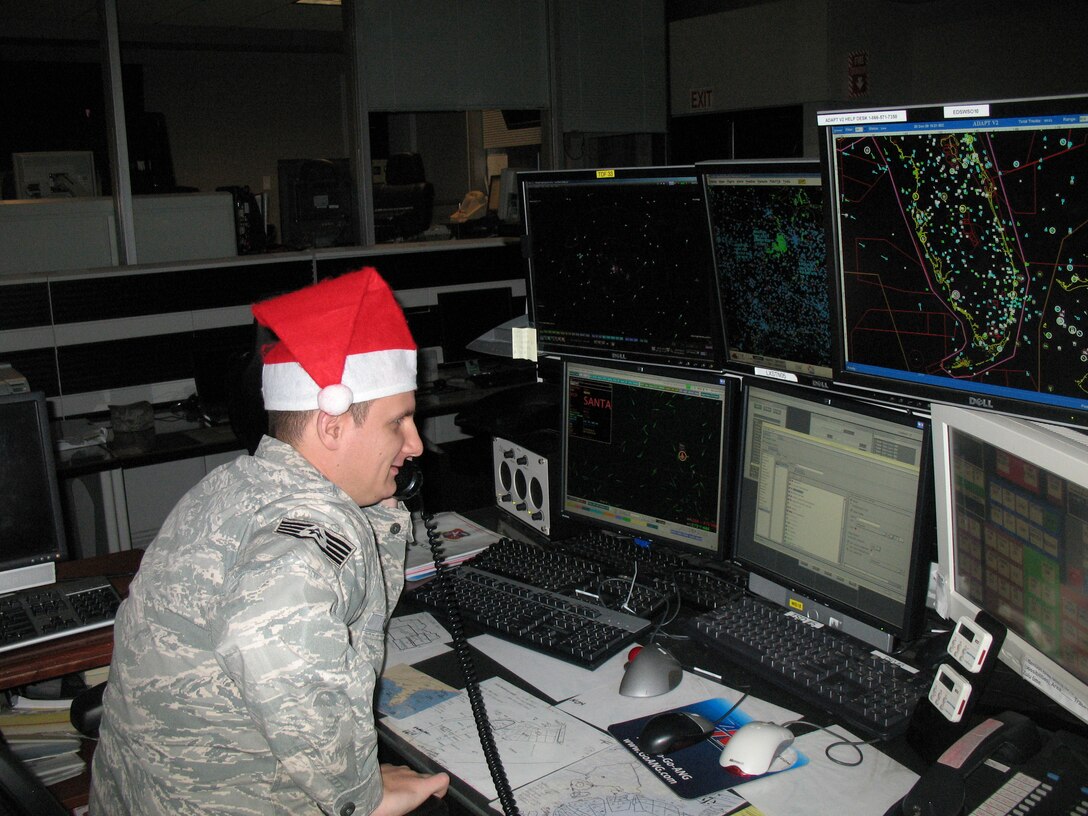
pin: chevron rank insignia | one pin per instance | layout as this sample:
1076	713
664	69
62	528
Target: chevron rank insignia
335	547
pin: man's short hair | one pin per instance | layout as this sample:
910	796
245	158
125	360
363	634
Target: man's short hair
289	426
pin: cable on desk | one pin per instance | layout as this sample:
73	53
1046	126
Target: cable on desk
468	668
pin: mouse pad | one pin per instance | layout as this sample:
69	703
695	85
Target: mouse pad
694	771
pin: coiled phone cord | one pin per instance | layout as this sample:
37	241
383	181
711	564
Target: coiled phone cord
468	668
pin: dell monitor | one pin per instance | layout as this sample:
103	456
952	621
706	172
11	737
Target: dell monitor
644	452
834	509
957	246
620	267
31	522
1012	534
767	236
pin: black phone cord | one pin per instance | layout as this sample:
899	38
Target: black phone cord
468	668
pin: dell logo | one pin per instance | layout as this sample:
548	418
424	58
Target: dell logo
981	402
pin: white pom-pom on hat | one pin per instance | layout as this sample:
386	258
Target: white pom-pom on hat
335	399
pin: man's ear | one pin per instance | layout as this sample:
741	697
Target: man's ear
330	429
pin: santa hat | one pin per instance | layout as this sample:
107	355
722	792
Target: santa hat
341	341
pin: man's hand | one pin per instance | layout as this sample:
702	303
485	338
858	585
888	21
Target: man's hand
404	790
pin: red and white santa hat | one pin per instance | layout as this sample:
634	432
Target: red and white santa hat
341	341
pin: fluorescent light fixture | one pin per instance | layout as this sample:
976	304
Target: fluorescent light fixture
317	2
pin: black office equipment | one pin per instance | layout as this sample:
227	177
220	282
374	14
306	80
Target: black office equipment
583	633
619	266
767	234
835	509
871	693
404	202
644	453
32	536
955	232
317	203
465	314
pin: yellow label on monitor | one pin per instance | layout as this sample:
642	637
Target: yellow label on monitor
606	174
796	604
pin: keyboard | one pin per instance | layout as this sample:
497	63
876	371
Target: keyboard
562	571
576	631
871	694
43	613
664	570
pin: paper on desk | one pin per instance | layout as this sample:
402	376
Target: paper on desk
412	638
614	777
603	705
533	738
555	678
461	539
823	788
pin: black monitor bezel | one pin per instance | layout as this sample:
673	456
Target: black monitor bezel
46	461
731	384
527	179
793	371
914	606
899	387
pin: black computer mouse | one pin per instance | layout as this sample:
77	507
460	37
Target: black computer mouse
672	730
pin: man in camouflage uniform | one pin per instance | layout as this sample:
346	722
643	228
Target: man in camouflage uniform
247	652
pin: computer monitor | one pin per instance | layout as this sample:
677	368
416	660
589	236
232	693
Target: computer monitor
317	203
835	510
31	521
55	174
620	266
644	452
767	235
1012	534
957	249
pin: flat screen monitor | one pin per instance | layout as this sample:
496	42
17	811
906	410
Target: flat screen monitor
957	247
834	509
620	266
31	522
55	174
767	236
644	452
317	203
1012	534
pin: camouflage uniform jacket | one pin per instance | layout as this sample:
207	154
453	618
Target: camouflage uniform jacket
247	652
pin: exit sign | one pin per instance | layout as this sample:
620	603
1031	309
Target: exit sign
702	99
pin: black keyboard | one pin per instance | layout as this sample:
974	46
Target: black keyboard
562	571
583	633
44	613
871	694
659	568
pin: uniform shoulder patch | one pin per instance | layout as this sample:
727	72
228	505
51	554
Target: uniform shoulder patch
335	547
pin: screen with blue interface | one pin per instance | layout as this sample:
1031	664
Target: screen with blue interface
960	252
644	451
619	266
767	234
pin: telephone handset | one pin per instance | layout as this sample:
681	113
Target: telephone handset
941	790
409	479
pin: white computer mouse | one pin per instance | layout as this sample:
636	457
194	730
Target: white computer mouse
757	748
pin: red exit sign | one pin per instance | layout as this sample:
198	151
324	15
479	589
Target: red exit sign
702	99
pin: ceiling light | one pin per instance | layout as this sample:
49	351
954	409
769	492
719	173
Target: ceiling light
317	2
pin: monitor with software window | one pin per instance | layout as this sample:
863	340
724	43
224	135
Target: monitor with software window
957	247
834	509
767	235
31	521
1012	531
644	452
